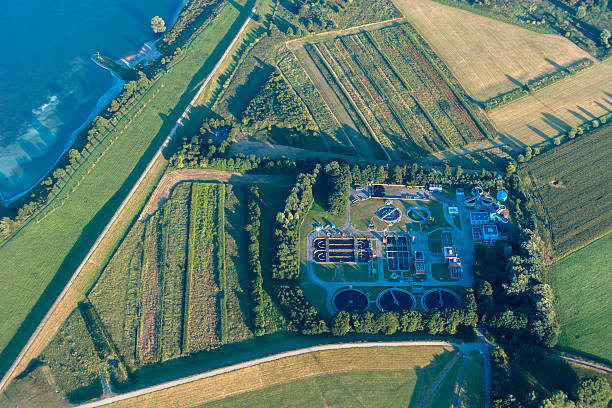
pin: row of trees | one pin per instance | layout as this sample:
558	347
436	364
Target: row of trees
337	183
286	234
261	304
435	321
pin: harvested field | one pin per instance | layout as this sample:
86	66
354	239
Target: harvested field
569	187
558	107
150	302
392	376
488	56
170	180
202	331
401	99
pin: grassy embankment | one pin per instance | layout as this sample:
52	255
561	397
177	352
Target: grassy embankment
352	377
38	268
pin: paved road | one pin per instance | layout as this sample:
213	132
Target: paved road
119	211
258	361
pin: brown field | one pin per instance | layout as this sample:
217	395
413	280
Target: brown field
487	56
558	107
291	369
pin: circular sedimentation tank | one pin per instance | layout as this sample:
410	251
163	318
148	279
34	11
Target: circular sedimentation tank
350	300
395	300
418	214
440	299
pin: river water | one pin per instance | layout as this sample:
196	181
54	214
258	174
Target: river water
49	87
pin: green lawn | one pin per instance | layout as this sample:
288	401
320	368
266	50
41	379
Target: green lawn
440	272
472	388
343	272
445	393
39	260
582	283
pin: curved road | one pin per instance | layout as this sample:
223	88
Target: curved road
258	361
179	122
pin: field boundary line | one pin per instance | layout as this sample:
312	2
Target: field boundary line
262	360
11	370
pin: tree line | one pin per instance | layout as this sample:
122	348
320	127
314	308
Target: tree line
434	322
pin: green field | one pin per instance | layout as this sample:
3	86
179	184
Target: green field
569	189
472	388
39	260
582	284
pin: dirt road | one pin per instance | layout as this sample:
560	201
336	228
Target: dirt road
167	183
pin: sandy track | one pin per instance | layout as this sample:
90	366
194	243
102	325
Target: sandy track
170	180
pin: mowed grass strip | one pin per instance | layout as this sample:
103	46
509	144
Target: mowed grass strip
43	255
359	365
582	283
202	330
472	388
557	108
488	56
569	187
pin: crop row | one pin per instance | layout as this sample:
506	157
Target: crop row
202	329
407	111
425	90
335	82
316	105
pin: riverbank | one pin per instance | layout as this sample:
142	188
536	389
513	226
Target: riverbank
28	160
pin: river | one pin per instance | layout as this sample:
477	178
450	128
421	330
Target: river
49	87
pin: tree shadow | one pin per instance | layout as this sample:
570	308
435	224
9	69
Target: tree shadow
251	86
427	376
554	64
556	123
580	117
516	82
538	132
583	110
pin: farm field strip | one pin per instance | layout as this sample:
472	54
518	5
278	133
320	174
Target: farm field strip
116	294
404	105
327	123
150	295
557	108
457	125
236	288
364	97
203	326
175	215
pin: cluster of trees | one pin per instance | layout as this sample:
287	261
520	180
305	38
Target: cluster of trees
588	392
517	304
286	234
413	174
278	106
261	303
191	18
303	315
435	321
209	149
536	84
338	183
